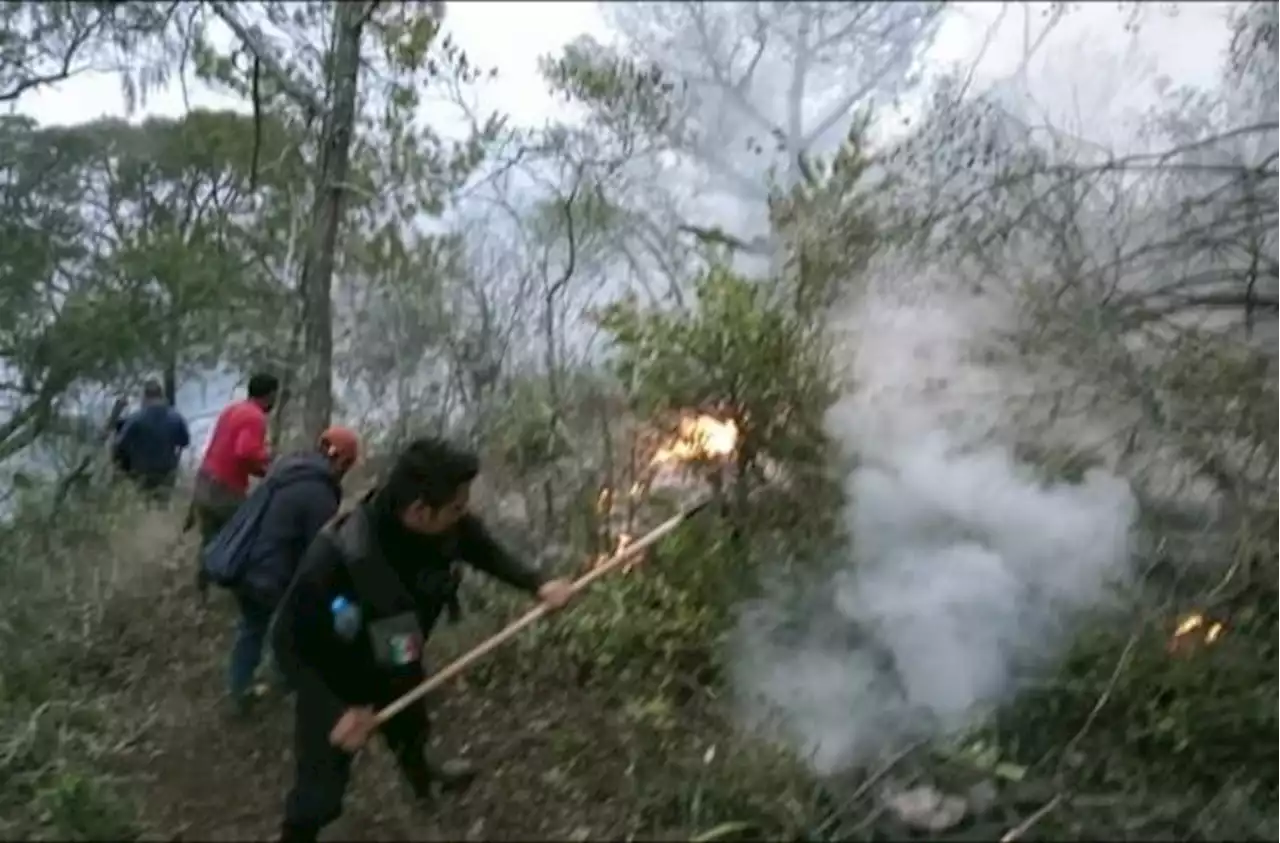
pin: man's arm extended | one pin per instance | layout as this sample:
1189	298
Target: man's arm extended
480	549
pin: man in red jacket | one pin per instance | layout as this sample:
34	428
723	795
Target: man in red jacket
237	450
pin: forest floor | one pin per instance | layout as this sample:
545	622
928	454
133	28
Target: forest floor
128	736
559	761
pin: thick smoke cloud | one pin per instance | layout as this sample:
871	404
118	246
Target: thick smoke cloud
963	568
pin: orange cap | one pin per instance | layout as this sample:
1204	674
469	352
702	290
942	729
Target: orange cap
340	443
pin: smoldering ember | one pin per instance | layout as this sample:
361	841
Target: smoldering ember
667	420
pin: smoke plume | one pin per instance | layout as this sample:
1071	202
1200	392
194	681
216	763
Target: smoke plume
962	569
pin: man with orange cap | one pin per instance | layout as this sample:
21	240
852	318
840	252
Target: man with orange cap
298	497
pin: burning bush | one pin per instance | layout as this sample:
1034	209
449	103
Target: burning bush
728	392
759	376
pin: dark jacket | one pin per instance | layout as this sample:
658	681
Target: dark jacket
369	551
151	440
304	495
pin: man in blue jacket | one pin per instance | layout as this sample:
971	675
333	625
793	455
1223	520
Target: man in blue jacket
150	443
300	494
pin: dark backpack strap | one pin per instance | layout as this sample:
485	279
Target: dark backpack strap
376	584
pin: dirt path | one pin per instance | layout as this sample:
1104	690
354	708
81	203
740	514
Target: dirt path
555	763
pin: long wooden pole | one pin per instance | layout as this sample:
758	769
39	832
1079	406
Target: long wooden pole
466	660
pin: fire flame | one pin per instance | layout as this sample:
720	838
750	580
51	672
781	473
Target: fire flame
699	437
1193	623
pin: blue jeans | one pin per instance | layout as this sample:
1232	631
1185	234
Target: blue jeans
251	636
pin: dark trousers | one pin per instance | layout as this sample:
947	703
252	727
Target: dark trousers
322	770
156	488
251	636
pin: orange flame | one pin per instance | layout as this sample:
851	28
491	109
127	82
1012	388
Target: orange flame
699	437
1183	640
1189	624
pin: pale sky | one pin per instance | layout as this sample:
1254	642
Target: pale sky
512	35
507	35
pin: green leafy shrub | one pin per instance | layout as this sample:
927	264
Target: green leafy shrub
738	354
56	580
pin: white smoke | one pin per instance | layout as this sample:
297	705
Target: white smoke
963	567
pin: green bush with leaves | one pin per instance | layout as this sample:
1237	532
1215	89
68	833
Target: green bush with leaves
56	730
738	355
659	624
525	434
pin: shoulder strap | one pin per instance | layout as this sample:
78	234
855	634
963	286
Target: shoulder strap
375	582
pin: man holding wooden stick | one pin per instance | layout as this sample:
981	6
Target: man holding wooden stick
350	631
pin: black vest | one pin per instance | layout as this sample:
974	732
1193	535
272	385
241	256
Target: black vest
395	619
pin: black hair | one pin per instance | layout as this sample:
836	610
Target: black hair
262	385
152	389
430	470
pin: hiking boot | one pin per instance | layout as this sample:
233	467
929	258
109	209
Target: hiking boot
452	774
240	706
292	833
435	778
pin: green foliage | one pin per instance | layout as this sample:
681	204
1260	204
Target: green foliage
189	228
44	43
739	790
626	99
662	626
57	324
528	432
54	744
1187	714
398	163
737	351
524	435
828	225
734	353
152	227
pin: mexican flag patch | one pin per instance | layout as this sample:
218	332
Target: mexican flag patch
405	648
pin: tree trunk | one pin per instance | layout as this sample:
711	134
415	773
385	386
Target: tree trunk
314	287
278	422
170	375
553	418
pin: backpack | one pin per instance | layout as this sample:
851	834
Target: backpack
223	558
